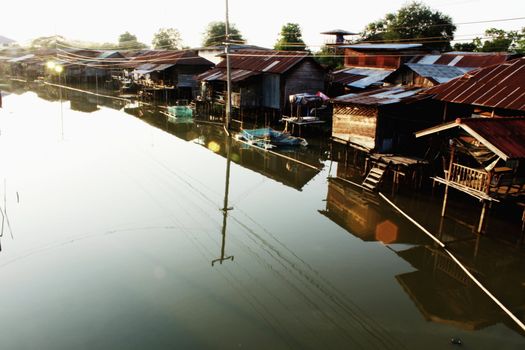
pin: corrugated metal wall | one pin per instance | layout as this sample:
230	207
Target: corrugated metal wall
271	90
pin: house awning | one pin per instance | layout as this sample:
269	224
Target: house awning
219	74
503	136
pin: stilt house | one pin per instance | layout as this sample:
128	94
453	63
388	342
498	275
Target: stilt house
264	79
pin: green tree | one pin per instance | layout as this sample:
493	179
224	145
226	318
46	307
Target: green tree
520	44
466	47
499	40
47	41
129	41
290	38
167	38
215	34
329	57
413	22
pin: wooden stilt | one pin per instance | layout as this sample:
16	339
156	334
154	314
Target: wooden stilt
443	209
482	217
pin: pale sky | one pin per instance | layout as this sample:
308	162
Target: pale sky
258	21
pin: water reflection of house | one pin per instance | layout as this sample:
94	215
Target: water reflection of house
360	213
282	170
443	293
81	102
440	290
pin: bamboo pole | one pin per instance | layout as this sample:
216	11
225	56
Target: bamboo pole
465	270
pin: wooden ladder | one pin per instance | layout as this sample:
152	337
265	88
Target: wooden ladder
374	177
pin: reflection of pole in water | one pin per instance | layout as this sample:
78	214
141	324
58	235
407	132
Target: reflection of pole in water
225	208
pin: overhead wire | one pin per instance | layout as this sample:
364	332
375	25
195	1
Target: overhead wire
292	32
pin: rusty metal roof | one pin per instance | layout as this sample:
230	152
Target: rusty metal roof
394	47
219	74
464	59
346	78
381	97
503	136
267	61
499	86
168	57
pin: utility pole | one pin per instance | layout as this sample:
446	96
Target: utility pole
225	208
228	72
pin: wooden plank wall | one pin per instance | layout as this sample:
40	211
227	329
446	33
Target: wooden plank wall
356	124
307	77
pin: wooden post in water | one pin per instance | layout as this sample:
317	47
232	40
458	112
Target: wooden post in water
484	209
452	151
482	217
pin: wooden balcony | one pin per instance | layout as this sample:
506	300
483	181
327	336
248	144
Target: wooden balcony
474	179
475	182
499	183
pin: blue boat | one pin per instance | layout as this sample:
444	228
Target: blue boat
269	138
180	111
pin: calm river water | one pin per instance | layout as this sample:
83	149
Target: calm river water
113	233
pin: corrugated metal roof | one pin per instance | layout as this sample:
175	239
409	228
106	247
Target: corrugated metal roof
219	74
361	77
269	61
463	59
168	57
151	67
500	86
110	54
503	136
506	134
437	72
382	46
382	96
346	78
21	58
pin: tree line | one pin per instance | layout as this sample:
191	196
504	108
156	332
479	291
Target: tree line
414	22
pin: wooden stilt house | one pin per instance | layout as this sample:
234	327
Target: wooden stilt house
264	79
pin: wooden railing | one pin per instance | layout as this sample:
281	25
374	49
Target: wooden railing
469	177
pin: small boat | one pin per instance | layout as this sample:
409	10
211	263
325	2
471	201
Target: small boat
178	113
268	138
